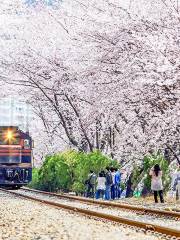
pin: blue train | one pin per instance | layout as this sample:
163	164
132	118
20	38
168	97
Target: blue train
15	157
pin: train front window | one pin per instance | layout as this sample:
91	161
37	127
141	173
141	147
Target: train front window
26	144
9	136
11	158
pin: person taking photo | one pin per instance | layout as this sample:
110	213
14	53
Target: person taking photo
156	183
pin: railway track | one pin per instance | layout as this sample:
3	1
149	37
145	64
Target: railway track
142	210
163	231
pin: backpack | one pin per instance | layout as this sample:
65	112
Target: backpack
109	180
86	181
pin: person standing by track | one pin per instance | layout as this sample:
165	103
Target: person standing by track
108	184
156	183
117	183
91	184
113	173
176	186
101	185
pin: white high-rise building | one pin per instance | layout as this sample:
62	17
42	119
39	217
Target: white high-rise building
15	112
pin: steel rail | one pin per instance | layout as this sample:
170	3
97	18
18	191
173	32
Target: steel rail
148	227
111	204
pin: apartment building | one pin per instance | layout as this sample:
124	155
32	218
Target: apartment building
15	112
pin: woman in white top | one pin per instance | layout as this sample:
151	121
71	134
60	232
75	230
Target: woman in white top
101	186
156	183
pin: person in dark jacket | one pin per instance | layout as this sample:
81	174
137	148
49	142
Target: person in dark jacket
91	184
108	184
117	183
129	190
113	173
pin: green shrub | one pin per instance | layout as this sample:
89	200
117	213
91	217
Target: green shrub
95	161
54	174
35	179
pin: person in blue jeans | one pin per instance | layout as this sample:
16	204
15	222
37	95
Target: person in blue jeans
109	182
117	183
101	185
113	172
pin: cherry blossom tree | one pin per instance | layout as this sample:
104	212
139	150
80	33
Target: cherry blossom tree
100	74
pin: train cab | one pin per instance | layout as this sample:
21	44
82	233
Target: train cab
15	157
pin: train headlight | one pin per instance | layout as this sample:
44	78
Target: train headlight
9	135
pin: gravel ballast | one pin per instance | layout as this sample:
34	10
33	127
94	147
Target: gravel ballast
149	219
22	219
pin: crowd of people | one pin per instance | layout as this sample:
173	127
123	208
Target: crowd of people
107	185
